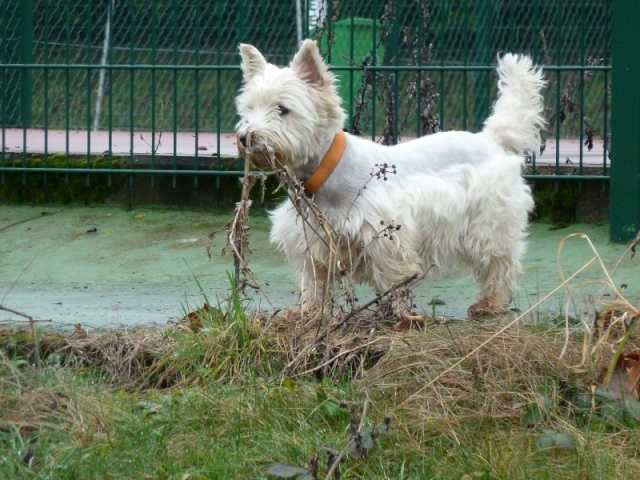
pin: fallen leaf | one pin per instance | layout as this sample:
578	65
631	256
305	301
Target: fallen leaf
537	412
625	381
632	407
383	428
283	470
605	394
194	319
550	439
290	384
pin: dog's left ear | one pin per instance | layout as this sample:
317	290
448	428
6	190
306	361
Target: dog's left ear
253	63
309	66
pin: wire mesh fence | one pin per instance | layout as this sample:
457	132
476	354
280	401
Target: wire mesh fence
155	70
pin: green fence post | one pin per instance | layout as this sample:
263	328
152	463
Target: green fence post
625	121
26	56
483	31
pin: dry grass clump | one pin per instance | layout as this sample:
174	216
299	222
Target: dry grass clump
32	404
441	366
131	360
324	347
149	358
479	371
35	400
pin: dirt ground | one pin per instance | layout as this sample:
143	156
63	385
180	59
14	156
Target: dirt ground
105	267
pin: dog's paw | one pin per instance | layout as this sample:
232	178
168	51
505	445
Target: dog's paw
295	314
409	321
484	307
299	313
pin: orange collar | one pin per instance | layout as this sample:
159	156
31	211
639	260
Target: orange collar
328	163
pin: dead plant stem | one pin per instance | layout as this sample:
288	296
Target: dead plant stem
343	452
378	298
32	321
236	232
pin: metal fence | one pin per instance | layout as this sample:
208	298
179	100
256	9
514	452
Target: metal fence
105	87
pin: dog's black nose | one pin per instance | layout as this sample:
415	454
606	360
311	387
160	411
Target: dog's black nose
243	139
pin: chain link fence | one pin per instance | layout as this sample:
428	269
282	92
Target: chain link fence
407	68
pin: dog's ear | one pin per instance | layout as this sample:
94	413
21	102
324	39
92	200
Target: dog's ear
309	66
253	63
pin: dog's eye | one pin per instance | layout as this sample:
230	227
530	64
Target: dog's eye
282	110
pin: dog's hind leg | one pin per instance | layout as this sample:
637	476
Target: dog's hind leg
495	240
498	281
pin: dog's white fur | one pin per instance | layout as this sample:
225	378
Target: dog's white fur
458	197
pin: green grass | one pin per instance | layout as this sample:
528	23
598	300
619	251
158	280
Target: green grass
239	431
79	424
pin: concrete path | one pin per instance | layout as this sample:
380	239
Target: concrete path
107	267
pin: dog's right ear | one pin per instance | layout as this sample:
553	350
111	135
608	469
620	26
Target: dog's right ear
253	63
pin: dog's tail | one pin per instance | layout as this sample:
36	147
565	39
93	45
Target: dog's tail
517	114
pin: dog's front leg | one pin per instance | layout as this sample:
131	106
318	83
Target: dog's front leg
315	286
315	297
402	305
398	303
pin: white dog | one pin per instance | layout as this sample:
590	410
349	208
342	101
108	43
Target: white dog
390	212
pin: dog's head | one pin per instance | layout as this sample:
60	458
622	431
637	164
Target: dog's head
287	115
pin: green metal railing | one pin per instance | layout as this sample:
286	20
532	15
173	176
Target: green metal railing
96	71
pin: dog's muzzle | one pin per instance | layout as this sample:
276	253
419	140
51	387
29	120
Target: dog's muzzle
249	147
